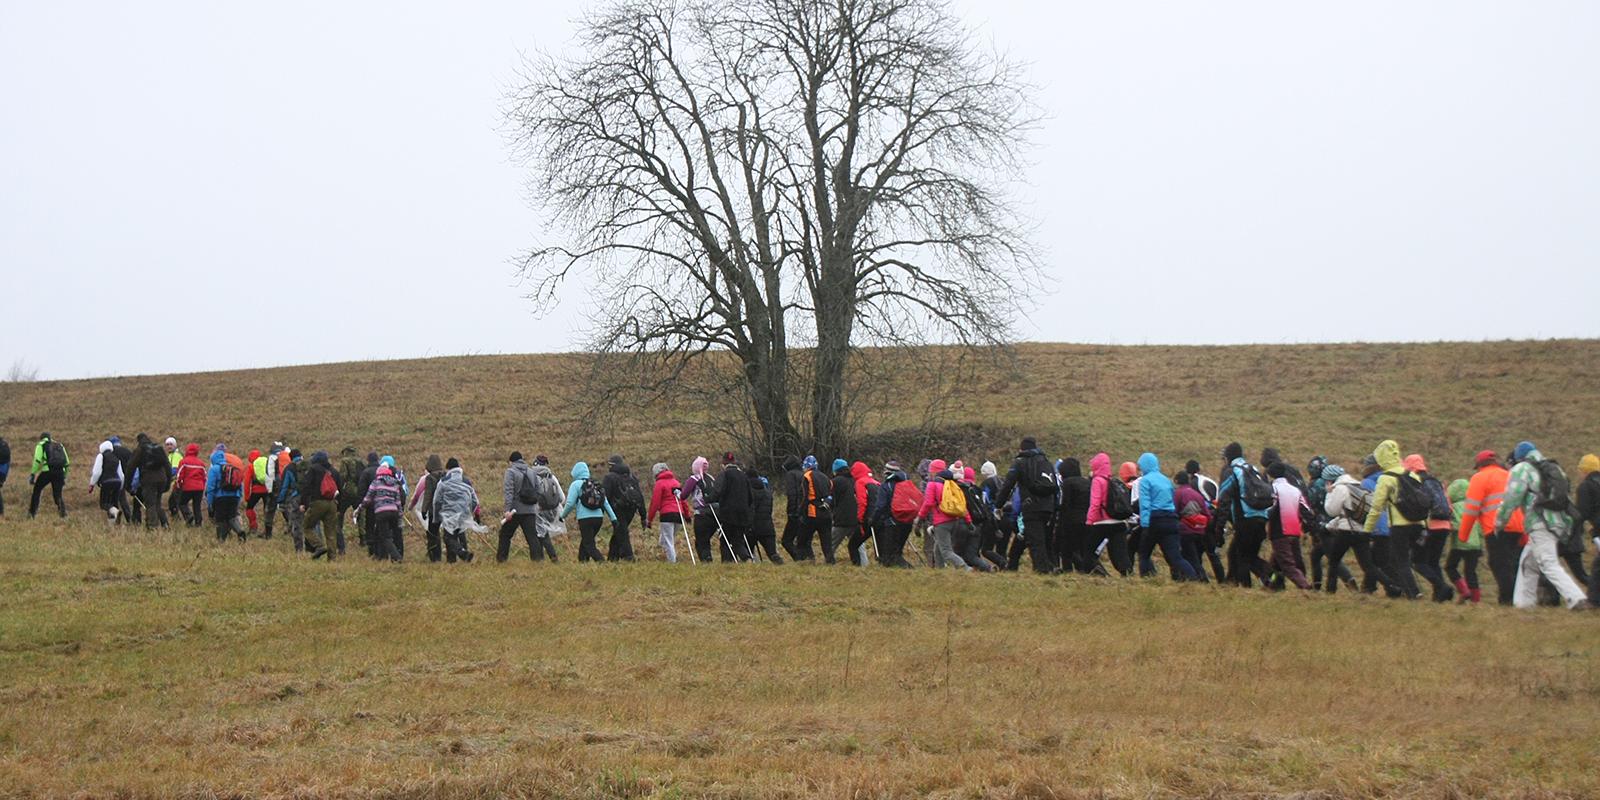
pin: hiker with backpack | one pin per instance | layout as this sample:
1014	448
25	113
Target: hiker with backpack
702	524
900	500
124	457
842	492
1485	492
1246	498
255	489
666	503
1035	475
174	458
152	474
1316	492
794	505
965	537
547	521
1286	525
522	494
5	472
1462	566
1588	508
321	488
943	505
1540	489
351	466
286	494
364	479
225	484
1158	517
1437	530
1194	519
1347	505
866	490
454	507
1400	494
730	499
763	534
1109	508
433	472
1072	519
627	499
817	488
587	500
191	485
50	465
384	498
106	476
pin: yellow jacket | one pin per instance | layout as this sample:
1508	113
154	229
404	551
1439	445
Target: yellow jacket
1383	495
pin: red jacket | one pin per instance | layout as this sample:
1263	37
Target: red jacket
661	499
192	471
863	475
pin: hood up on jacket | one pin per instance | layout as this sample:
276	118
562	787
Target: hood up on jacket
1388	455
1148	463
218	457
1070	468
989	470
580	471
1457	491
698	467
320	457
1100	466
254	454
1414	463
1127	472
192	450
860	471
617	465
790	463
436	464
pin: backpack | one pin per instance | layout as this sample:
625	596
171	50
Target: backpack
1555	491
1118	502
1441	502
1255	490
527	490
153	464
108	465
329	490
55	456
549	493
1362	500
905	502
630	493
1411	498
591	496
1039	476
953	503
229	479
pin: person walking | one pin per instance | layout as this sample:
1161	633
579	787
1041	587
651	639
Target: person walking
106	477
1194	519
1404	531
794	506
1588	505
702	525
384	499
1438	529
454	508
732	498
124	457
547	522
899	500
153	476
1485	493
1246	498
1285	526
1073	549
587	501
846	522
627	499
5	471
1109	505
1538	488
225	484
763	533
522	493
1346	506
174	458
286	492
819	513
943	505
1466	548
191	485
49	469
665	503
1035	475
351	467
866	495
1158	516
321	490
433	472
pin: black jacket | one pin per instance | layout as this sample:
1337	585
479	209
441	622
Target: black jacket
310	480
1074	492
1589	503
794	488
732	495
843	490
761	509
617	477
1037	465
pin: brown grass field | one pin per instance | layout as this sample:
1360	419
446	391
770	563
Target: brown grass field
138	664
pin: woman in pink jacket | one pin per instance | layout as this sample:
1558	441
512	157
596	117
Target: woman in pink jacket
1107	530
941	552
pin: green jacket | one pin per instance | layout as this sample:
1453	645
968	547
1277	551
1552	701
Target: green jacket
1457	492
1523	492
1388	488
38	458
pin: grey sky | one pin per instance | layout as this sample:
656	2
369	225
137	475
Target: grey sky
303	181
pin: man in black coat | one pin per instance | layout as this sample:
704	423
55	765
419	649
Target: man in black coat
794	506
623	492
733	500
1033	472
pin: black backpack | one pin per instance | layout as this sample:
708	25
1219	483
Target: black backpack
1411	498
1441	502
55	456
1118	502
591	496
1255	490
1555	491
630	493
1039	476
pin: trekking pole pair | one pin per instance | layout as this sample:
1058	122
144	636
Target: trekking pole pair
726	542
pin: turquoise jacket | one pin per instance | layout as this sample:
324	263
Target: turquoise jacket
580	474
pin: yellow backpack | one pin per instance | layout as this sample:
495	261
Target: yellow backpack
953	502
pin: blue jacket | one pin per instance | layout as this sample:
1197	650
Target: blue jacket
1370	484
1234	481
1155	489
289	482
214	476
580	473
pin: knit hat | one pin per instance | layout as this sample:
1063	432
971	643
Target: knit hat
452	463
729	458
1523	449
957	466
658	468
1485	458
114	439
892	466
387	461
542	460
988	469
516	455
840	465
171	442
936	466
294	454
968	474
1332	472
1029	444
1589	463
1371	460
1232	451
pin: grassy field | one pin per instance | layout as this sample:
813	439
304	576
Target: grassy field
160	664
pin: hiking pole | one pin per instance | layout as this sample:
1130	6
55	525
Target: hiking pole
726	542
688	541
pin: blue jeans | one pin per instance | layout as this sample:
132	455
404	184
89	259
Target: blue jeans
1163	531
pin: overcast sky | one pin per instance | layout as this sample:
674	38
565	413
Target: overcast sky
293	182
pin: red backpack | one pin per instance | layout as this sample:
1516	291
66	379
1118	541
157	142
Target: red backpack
905	502
329	489
229	479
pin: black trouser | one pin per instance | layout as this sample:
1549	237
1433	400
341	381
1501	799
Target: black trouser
1039	529
964	539
892	536
1193	546
154	511
1466	558
189	504
1594	576
588	530
1115	535
56	479
508	529
793	528
364	516
111	499
224	512
1244	555
736	537
433	544
1073	547
815	526
1402	538
272	511
862	535
455	544
3	476
128	512
621	546
384	543
1574	562
1505	555
1364	546
1321	542
1433	543
764	536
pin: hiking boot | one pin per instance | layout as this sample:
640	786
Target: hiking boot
319	553
1463	594
1477	594
1586	605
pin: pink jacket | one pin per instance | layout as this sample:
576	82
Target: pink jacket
1289	500
1099	473
932	494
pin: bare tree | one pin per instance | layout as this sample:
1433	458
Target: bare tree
22	372
772	177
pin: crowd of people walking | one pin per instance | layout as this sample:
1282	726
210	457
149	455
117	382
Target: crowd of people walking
1392	515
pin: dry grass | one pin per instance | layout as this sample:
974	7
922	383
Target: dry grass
136	664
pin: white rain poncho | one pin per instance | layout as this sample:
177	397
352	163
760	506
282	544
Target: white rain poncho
454	500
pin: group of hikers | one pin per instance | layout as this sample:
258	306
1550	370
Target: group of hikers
1396	518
